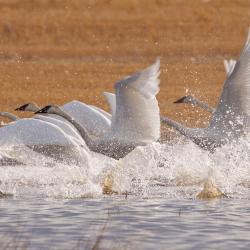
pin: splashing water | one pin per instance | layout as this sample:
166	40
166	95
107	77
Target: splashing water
157	170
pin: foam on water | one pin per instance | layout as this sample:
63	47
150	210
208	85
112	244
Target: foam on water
157	170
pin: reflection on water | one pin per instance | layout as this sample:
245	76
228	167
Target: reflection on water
60	205
125	224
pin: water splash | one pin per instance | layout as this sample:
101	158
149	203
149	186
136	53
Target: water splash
176	170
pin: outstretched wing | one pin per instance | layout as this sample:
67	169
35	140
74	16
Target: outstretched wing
137	116
235	98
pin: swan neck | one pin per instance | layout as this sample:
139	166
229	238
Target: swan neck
205	106
34	108
82	131
174	125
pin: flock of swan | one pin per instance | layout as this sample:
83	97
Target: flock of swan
134	118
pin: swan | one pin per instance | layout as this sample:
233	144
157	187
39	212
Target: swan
47	135
136	121
10	116
189	99
230	120
43	137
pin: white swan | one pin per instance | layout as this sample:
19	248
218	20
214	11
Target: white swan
44	134
231	117
136	121
43	137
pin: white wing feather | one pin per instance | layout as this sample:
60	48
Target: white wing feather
111	99
229	66
137	116
235	98
61	123
226	65
95	122
103	112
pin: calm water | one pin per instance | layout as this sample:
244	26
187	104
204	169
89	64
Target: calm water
58	205
125	224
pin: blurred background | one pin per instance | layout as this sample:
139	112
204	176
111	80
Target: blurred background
54	51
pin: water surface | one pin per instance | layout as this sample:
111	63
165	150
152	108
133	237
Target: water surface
59	205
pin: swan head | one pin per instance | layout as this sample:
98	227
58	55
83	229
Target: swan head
49	109
186	99
28	107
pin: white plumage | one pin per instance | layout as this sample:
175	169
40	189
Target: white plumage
137	115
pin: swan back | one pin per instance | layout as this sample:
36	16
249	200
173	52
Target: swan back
137	116
60	122
30	131
103	112
95	122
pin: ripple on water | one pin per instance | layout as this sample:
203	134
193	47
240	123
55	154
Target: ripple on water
132	224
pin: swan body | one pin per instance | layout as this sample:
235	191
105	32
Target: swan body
230	120
29	131
42	137
136	121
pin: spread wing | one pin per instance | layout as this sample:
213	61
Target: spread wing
235	98
137	116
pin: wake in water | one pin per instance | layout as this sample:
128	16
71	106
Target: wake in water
158	170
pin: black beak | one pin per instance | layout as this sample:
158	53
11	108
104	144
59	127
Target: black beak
21	108
181	100
43	110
